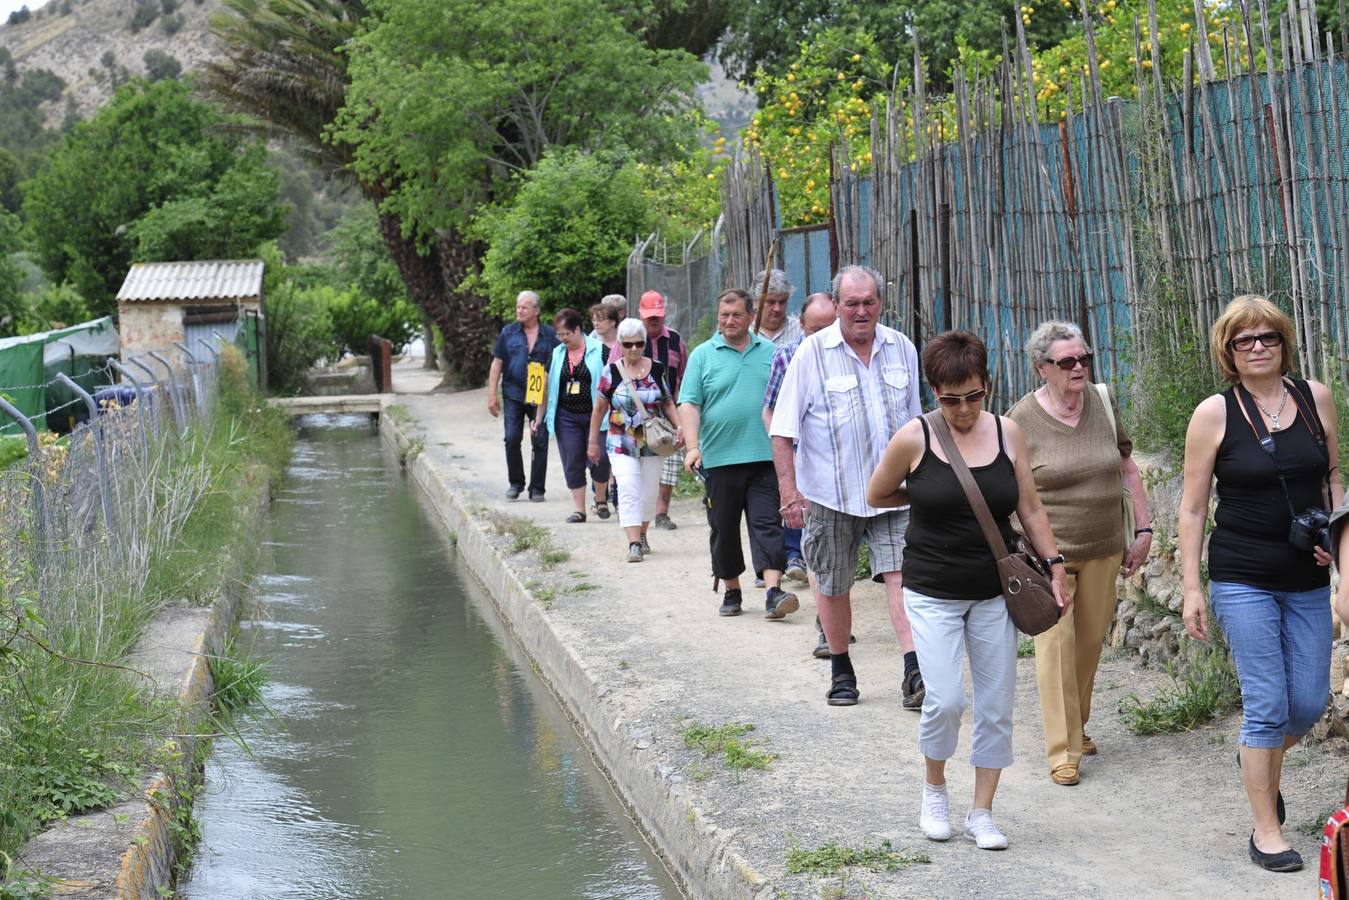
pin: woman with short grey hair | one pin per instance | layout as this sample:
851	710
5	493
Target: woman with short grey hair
1081	458
632	390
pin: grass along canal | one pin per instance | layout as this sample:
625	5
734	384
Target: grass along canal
412	752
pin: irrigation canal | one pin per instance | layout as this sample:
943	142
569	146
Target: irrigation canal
412	753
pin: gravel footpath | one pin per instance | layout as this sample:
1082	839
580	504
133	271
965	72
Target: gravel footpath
1152	817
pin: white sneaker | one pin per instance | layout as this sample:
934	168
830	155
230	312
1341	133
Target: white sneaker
979	825
935	818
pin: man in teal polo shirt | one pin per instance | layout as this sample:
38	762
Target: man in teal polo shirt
720	403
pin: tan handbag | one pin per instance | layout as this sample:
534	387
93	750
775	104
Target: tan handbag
1024	576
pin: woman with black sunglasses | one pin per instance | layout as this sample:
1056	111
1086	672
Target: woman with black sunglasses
1082	461
1270	440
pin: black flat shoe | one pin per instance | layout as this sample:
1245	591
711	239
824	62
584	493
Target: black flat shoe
1284	861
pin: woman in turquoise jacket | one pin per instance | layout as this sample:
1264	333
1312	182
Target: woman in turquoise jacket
573	374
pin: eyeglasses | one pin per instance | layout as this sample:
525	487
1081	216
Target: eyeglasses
634	345
1266	339
1068	363
973	398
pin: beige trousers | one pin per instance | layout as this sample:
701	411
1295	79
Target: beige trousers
1066	656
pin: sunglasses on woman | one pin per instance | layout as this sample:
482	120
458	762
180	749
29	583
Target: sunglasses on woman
634	345
973	398
1266	339
1068	363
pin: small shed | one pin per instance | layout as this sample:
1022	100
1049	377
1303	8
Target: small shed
195	303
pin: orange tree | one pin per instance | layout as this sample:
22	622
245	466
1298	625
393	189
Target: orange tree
824	97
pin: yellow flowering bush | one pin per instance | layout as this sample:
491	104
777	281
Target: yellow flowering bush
825	96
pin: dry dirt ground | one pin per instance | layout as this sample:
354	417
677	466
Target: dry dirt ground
1156	816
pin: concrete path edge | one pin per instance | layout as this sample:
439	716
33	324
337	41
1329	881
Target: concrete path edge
703	857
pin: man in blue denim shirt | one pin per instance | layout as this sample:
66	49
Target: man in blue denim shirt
522	352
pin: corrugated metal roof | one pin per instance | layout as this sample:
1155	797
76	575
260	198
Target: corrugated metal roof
208	280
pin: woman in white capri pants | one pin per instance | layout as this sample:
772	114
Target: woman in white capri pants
635	467
952	591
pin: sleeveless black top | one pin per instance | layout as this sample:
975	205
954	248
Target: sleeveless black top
1249	544
945	554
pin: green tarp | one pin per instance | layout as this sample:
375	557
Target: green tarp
29	362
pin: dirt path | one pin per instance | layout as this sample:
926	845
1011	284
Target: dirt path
1153	816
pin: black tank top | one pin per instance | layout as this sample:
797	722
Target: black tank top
945	554
1249	544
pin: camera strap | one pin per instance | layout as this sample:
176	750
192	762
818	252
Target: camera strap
1266	441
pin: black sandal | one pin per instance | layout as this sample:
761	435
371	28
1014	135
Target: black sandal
842	690
601	510
576	518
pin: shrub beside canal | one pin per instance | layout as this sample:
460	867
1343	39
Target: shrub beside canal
77	728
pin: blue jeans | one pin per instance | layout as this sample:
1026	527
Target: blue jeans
1280	643
791	540
516	416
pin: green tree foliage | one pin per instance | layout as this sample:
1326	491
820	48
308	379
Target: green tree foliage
355	318
10	175
767	36
151	176
160	65
11	276
23	131
692	25
566	233
20	15
361	258
450	98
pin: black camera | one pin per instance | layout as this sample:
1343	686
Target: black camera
1310	529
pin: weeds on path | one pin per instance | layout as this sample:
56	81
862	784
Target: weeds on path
728	740
832	858
1208	690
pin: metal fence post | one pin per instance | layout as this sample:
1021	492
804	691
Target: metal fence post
39	490
196	379
154	409
140	404
174	399
100	457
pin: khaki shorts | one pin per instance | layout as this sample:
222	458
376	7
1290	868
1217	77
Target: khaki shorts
831	539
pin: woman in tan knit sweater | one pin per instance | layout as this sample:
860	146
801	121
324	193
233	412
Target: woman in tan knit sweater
1080	455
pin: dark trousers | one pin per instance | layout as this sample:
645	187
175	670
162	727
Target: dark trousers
572	430
518	416
749	490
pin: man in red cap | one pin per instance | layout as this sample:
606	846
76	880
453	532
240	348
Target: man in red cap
666	347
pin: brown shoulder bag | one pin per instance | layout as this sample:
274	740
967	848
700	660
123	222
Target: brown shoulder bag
1024	576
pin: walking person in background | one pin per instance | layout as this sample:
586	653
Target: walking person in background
572	382
846	392
665	346
775	325
1272	442
719	406
632	390
519	366
817	313
1081	457
604	319
952	589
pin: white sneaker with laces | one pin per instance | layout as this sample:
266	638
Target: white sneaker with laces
979	825
935	818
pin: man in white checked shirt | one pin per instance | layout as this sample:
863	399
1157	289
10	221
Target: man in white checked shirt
847	391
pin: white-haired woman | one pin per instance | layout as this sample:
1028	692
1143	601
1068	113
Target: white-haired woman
1081	457
626	409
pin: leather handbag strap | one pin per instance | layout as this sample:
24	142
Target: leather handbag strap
975	496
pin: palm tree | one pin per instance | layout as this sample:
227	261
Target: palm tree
283	67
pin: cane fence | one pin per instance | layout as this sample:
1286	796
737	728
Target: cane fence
1137	219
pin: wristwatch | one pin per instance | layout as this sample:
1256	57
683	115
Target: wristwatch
1054	560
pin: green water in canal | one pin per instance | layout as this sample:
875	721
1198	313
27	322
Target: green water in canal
413	753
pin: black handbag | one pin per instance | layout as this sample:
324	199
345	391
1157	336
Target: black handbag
1025	578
